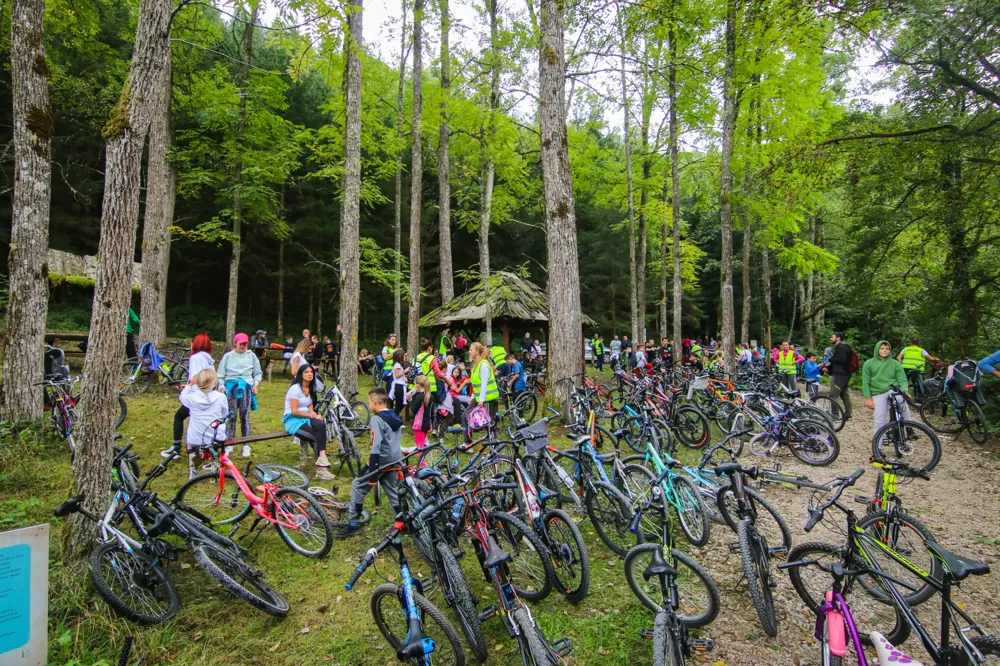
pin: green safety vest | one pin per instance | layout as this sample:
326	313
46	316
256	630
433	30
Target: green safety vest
387	366
445	345
913	358
696	351
492	391
499	355
597	347
424	359
786	362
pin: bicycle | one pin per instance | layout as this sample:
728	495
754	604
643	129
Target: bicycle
903	439
670	585
338	414
225	498
812	442
951	414
855	562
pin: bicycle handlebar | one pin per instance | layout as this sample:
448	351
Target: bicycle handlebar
842	483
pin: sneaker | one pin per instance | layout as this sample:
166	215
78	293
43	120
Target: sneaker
169	454
210	467
323	474
322	461
349	530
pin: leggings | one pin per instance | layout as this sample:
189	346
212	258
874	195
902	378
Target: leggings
182	413
242	408
315	432
398	396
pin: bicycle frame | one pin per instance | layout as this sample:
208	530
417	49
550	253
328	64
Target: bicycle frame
258	504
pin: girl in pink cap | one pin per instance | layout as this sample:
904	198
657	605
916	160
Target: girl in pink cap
239	376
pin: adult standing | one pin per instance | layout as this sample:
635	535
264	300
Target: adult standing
387	350
131	328
840	369
239	377
424	360
301	420
445	345
526	343
616	353
461	344
299	359
483	376
786	366
597	349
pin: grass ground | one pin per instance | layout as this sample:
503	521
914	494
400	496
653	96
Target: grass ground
326	625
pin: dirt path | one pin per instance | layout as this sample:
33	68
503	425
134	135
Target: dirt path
960	507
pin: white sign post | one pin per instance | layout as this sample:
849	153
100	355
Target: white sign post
24	596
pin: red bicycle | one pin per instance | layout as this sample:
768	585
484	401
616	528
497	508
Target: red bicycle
225	498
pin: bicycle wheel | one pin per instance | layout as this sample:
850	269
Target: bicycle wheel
723	415
530	639
464	605
690	510
362	412
526	406
531	572
284	476
755	571
988	646
812	584
976	423
634	432
222	506
389	611
302	522
912	442
813	442
768	522
834	411
122	412
570	559
665	652
937	413
240	579
134	380
133	584
691	427
349	451
907	536
610	513
699	596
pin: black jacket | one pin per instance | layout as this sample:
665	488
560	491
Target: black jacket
840	362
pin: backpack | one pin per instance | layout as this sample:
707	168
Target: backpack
853	365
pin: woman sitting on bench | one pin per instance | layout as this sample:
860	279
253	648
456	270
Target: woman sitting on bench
302	421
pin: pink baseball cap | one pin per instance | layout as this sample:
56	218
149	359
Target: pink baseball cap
240	338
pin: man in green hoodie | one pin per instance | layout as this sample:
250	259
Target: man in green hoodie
877	375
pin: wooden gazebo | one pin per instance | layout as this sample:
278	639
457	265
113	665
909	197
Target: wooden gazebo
514	301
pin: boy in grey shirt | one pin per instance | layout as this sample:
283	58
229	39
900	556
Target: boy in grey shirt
387	435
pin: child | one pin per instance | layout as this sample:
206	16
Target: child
420	399
450	365
201	358
329	354
289	348
812	370
386	433
205	404
397	388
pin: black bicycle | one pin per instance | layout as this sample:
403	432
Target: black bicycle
905	439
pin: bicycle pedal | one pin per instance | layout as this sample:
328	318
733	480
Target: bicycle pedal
778	551
487	613
646	633
734	547
862	499
233	531
562	646
702	644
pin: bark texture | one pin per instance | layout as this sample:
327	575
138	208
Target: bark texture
241	117
632	253
489	173
675	184
765	278
161	192
397	323
565	334
726	186
24	331
350	254
125	135
444	164
416	183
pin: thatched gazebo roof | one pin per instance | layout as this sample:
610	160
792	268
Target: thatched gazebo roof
512	297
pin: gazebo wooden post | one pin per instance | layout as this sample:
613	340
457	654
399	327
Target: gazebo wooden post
505	328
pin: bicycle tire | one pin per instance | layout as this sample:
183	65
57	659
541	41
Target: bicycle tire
530	639
694	431
122	412
309	517
222	566
526	406
464	605
933	412
724	411
815	598
362	412
564	533
756	574
925	591
285	476
664	650
512	535
726	509
826	658
352	456
988	645
132	384
199	493
159	579
833	409
696	587
884	438
819	448
813	413
392	593
611	524
975	423
690	510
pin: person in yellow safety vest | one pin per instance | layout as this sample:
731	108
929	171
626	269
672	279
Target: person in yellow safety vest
597	349
786	365
483	379
498	355
424	359
445	345
696	351
390	346
912	358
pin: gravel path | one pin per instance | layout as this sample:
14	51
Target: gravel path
959	506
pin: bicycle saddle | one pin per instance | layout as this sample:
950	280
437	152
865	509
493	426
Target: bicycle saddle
959	568
726	468
579	440
456	429
425	473
264	477
888	655
495	555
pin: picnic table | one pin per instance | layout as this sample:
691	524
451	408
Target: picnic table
55	339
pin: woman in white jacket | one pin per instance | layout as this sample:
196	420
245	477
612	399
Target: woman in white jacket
206	405
201	358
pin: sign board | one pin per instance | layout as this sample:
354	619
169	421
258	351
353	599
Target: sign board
24	596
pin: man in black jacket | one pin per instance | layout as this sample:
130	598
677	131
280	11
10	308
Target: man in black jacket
839	367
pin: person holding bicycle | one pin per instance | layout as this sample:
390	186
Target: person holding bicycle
201	359
878	375
913	358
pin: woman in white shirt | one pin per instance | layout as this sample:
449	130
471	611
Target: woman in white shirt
301	419
397	389
201	359
298	358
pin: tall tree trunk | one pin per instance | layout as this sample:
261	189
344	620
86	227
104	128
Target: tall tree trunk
416	183
726	186
820	318
24	331
444	165
319	314
310	322
489	172
350	256
765	278
161	192
565	333
795	307
647	167
632	253
747	304
241	117
675	177
125	134
397	323
281	277
664	254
